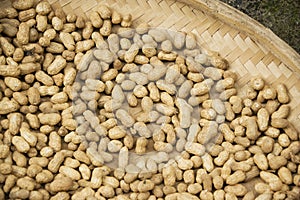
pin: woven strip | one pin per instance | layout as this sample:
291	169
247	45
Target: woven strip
246	55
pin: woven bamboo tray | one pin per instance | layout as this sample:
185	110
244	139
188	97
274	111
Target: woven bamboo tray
250	48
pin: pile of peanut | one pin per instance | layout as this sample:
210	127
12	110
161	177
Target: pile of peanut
95	109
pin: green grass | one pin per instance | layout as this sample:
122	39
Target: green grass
281	16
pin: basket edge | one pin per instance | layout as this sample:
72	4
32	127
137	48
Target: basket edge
253	28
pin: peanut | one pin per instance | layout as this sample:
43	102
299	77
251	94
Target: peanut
273	180
236	177
262	119
61	184
251	129
70	114
282	94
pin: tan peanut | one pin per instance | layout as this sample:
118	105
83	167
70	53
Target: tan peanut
77	111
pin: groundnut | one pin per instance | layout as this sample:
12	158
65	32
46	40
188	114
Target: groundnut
184	113
165	109
8	47
282	112
21	144
140	91
58	64
237	104
169	88
148	50
23	33
67	40
238	190
147	104
132	100
141	145
157	73
202	87
124	117
277	161
262	119
282	93
291	132
251	129
153	92
184	89
261	161
257	83
224	84
172	73
236	177
213	73
279	123
131	105
269	93
139	78
273	180
285	175
195	148
61	184
97	159
227	132
222	158
226	94
131	53
163	147
117	94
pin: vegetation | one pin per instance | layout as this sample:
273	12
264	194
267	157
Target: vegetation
281	16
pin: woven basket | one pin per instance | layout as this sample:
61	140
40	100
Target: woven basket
250	48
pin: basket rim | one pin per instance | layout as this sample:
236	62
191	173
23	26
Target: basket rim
258	32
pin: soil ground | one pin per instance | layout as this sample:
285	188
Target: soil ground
281	16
